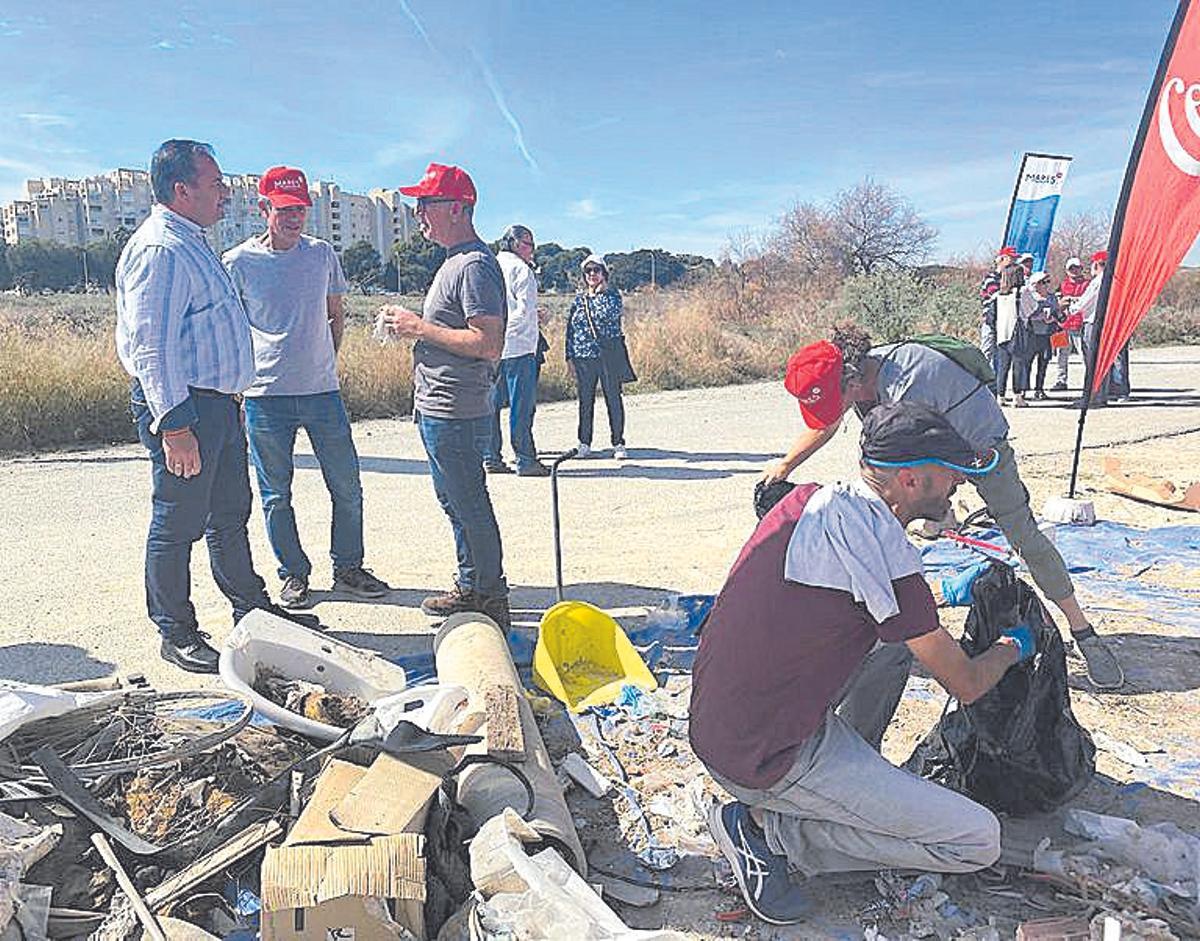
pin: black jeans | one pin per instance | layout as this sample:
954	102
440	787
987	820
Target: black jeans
587	373
1037	350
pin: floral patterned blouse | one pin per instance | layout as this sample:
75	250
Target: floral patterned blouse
606	315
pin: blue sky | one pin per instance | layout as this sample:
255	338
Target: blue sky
615	125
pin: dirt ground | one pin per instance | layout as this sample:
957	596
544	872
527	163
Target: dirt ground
670	519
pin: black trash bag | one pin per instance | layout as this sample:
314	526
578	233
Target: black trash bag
1018	748
766	495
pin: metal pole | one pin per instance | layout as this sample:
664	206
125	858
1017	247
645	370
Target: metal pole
558	582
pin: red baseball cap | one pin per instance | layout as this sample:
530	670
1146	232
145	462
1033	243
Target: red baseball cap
814	377
1007	252
443	180
1100	256
284	186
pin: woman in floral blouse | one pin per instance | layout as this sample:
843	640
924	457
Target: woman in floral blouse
595	312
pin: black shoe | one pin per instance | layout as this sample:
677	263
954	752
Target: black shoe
294	593
359	582
190	652
761	874
1059	387
496	467
536	469
497	610
311	621
1039	395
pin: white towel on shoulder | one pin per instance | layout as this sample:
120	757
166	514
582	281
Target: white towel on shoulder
849	539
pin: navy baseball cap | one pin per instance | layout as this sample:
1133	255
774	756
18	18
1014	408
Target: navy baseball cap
905	434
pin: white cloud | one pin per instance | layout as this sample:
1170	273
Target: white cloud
587	209
42	119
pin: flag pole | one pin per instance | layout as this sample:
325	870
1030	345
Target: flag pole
1114	239
1013	201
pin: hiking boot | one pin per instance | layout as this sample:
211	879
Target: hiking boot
359	582
496	467
536	469
619	453
450	602
1103	669
189	651
583	450
294	593
761	875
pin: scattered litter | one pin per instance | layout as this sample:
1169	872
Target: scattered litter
1122	751
1058	928
309	699
586	776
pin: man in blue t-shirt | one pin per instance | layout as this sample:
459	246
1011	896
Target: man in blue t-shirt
292	287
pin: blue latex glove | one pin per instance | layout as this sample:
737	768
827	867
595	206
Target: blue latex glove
1022	634
956	590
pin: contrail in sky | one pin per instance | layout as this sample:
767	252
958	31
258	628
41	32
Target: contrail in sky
498	96
417	23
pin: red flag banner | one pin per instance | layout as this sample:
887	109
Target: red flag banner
1158	215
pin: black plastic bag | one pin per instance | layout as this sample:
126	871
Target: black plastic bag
1018	749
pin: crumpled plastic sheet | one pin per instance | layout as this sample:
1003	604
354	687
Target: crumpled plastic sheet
1105	561
669	638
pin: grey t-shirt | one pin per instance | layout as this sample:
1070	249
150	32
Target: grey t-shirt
285	298
911	372
468	284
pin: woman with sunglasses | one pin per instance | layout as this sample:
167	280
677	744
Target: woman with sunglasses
594	321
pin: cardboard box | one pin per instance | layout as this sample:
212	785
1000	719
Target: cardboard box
353	866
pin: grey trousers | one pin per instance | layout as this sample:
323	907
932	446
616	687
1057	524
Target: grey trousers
1008	500
1064	356
842	807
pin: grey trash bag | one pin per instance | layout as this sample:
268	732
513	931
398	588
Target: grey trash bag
1018	749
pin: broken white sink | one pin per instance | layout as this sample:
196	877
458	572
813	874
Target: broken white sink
264	641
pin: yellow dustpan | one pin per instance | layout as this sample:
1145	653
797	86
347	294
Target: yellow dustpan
583	658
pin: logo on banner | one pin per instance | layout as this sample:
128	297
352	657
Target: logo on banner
1178	154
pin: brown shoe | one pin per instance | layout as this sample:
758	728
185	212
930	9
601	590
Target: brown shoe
451	602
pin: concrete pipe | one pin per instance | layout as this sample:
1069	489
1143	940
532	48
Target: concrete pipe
471	651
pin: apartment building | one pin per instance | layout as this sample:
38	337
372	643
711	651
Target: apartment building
75	212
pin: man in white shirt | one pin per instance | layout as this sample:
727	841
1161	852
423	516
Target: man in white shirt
516	382
292	286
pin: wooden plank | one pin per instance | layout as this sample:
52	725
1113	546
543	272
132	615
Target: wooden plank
505	738
153	929
252	838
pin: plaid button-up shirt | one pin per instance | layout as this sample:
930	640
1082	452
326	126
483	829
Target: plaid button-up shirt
180	321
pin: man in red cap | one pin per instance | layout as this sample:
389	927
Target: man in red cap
292	287
987	299
828	378
1117	380
459	338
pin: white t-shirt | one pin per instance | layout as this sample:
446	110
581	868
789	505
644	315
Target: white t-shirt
285	298
520	283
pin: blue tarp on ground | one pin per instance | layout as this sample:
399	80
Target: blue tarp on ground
1106	562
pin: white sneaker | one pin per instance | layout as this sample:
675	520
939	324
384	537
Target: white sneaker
619	453
583	450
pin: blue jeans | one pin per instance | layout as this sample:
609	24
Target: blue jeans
516	384
214	504
272	422
587	373
455	449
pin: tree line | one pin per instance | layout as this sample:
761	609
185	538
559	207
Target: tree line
410	267
32	265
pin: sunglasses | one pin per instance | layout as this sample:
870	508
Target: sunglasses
593	270
424	202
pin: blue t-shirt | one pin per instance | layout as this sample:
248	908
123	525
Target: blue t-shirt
285	298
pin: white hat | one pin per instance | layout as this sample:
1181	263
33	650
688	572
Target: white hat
1025	256
1073	263
1038	276
594	259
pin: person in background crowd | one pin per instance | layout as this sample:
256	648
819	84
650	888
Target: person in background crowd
1074	283
987	299
1085	307
459	339
1011	332
595	313
516	382
183	336
1039	309
292	287
828	378
1025	261
804	658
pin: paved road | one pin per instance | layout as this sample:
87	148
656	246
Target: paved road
670	519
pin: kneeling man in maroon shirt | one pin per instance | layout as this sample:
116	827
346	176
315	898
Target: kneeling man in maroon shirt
804	659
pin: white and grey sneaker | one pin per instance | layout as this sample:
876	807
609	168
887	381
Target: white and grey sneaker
1103	668
583	450
619	453
761	875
